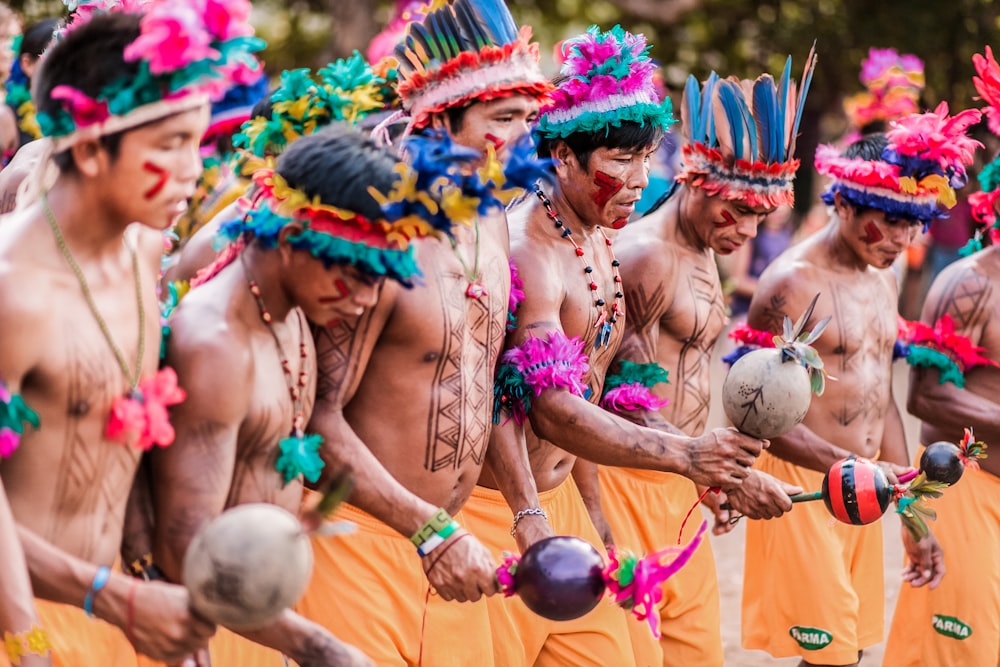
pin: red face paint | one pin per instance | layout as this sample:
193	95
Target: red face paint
619	223
872	234
163	175
728	220
497	141
607	187
342	292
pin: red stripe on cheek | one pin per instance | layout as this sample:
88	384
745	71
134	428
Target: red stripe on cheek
607	187
872	234
728	218
497	141
161	181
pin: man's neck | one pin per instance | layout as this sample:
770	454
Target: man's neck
569	216
90	230
841	255
263	267
684	228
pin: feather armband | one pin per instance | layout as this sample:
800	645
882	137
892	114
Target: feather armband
940	347
629	388
14	414
749	339
537	365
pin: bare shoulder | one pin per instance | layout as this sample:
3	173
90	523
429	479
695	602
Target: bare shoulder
966	289
25	317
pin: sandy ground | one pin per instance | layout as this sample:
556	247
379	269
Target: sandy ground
729	550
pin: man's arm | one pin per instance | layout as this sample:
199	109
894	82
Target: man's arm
721	458
506	465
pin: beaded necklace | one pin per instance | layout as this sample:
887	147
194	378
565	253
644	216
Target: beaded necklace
604	323
298	452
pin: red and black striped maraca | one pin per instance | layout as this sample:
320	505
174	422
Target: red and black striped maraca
855	491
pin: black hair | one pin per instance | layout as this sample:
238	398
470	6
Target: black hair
37	37
88	57
628	136
868	147
263	107
338	164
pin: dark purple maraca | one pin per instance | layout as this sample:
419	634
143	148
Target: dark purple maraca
942	462
560	578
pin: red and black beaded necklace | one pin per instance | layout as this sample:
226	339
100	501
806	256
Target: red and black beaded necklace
605	323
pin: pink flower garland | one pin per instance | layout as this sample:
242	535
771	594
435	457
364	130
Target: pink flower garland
141	419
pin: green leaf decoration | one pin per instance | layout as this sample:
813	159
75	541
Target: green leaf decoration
300	456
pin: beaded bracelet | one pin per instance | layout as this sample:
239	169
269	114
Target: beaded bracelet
100	581
432	527
33	642
523	513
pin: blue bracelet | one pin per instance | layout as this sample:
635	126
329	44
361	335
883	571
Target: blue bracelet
100	581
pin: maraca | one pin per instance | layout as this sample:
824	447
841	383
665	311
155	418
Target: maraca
768	390
945	462
564	577
855	491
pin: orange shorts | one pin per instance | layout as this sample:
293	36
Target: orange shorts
645	510
812	586
80	641
958	623
368	589
521	638
228	648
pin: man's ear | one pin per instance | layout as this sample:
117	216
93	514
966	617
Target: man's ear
440	122
90	157
563	157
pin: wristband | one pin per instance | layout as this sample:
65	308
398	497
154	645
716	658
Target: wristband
433	525
32	642
436	540
100	581
523	513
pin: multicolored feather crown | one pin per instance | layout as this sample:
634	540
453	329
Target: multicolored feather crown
608	80
463	52
188	52
984	202
741	136
893	84
345	90
919	170
439	189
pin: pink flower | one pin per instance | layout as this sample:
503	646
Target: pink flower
141	419
173	36
226	19
9	440
84	109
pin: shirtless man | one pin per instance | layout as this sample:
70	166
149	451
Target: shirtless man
82	337
230	344
404	395
958	623
676	313
601	140
848	263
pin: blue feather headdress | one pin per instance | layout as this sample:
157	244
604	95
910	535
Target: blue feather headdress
741	135
466	51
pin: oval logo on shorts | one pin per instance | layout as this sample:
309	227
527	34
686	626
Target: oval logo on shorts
811	639
949	626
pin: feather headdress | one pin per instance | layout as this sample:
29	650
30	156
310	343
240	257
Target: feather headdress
741	135
187	52
984	203
893	84
919	170
608	81
345	90
466	51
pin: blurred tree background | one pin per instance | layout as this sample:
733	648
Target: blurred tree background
688	36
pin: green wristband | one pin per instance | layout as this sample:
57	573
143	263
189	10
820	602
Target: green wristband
433	526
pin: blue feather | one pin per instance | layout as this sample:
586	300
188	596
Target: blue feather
782	114
765	107
471	30
807	76
730	98
496	18
708	118
696	125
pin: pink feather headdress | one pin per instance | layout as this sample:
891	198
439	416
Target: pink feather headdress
919	170
984	203
893	84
